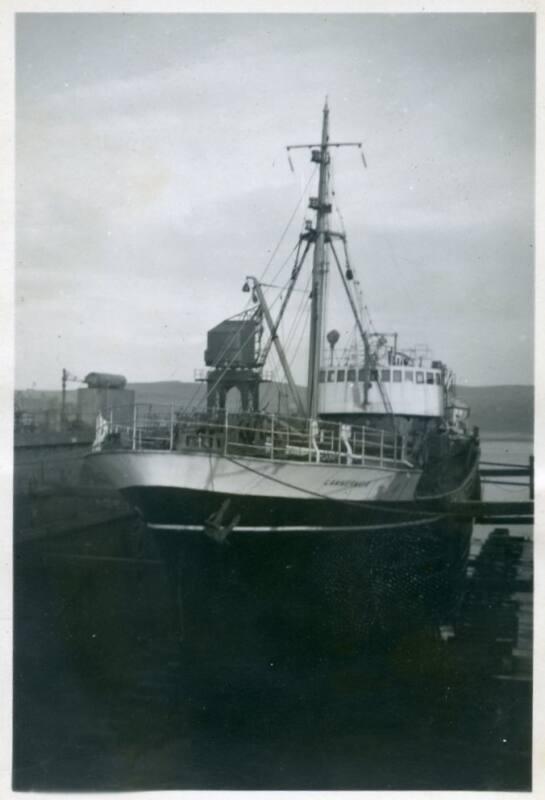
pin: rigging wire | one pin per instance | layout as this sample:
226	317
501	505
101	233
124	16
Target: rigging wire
432	516
284	232
394	259
240	349
357	300
297	346
403	283
302	302
267	266
279	270
289	257
301	313
277	298
275	367
355	279
276	370
228	365
229	341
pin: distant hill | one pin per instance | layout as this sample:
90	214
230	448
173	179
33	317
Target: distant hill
273	396
495	409
177	392
500	409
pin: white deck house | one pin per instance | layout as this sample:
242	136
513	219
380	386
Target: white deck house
410	390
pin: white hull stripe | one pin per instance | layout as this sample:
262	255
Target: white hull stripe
297	528
254	478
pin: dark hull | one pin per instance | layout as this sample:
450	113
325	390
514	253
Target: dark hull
187	508
337	589
280	576
275	573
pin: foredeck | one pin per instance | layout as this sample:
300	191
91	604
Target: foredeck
254	435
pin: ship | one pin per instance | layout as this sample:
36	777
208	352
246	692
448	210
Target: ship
329	520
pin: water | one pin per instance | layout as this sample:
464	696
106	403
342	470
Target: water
102	701
504	451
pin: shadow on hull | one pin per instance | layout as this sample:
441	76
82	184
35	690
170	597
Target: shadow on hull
285	593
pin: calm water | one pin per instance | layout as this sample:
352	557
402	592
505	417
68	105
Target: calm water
91	714
504	451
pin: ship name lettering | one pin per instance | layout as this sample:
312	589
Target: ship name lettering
346	484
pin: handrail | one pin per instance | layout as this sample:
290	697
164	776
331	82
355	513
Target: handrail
146	426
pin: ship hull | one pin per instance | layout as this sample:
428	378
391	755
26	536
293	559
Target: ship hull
268	558
255	478
334	589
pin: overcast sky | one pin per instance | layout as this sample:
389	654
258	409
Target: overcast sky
152	177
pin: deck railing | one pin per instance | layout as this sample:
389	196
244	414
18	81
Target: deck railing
257	435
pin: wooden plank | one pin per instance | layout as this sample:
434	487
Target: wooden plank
521	520
519	472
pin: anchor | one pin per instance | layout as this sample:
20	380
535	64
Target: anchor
216	528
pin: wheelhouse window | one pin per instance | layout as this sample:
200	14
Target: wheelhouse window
374	374
351	375
429	378
322	376
385	375
438	378
398	375
361	374
341	375
420	377
409	375
331	376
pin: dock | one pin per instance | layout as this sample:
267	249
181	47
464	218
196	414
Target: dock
496	615
487	512
497	512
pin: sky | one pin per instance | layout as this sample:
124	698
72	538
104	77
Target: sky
151	178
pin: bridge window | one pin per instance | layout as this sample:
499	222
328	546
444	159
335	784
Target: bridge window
429	378
331	376
351	375
374	374
438	378
322	376
385	375
420	377
361	374
397	376
409	375
340	375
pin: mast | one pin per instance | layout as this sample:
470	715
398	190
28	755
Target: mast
321	236
319	268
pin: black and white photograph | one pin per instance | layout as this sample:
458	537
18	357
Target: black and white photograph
273	401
